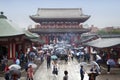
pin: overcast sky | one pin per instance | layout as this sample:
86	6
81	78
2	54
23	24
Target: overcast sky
103	13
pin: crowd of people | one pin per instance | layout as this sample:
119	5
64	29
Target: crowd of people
25	58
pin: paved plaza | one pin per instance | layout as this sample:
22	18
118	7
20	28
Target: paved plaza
73	68
46	74
73	72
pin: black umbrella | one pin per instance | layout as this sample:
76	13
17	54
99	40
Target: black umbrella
16	73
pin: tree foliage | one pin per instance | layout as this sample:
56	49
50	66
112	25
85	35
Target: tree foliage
115	31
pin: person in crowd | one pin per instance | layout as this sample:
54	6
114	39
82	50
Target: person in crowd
30	73
72	57
7	74
17	61
14	77
65	77
6	68
82	72
48	58
66	59
22	57
26	66
26	58
108	67
3	64
88	57
94	73
55	67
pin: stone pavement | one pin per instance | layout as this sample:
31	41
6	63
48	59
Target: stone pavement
114	74
73	72
73	68
46	74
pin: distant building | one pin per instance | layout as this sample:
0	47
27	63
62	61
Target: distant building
94	29
108	29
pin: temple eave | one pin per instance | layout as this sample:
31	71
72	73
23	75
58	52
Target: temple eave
59	30
78	19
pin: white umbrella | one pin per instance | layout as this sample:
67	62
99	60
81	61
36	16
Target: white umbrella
34	48
83	64
78	54
98	57
86	66
45	48
14	66
51	47
60	48
41	51
33	65
94	63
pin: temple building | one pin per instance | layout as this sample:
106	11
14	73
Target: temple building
57	24
13	39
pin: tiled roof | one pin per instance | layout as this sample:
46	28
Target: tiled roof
104	42
58	13
8	29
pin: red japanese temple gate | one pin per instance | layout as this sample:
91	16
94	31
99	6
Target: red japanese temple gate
56	24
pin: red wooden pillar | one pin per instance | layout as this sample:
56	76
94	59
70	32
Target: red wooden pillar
108	52
10	50
46	39
13	50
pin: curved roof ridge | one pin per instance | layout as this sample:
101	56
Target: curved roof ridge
59	8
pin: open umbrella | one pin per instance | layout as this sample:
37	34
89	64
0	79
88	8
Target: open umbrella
83	64
86	66
33	65
54	57
111	62
15	73
92	63
32	54
41	51
45	48
14	66
98	59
